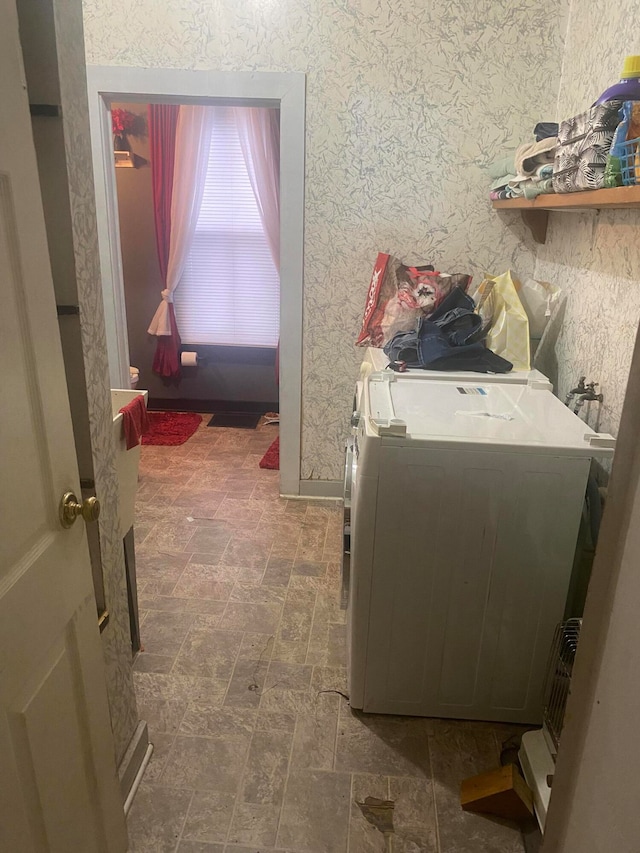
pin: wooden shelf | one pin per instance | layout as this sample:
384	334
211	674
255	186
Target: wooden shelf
592	200
535	212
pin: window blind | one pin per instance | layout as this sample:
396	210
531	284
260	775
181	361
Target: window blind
229	293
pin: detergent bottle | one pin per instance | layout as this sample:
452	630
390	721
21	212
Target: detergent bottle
628	88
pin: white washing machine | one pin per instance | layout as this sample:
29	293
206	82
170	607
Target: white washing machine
375	360
465	504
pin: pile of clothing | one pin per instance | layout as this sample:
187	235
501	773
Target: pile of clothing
423	318
449	338
528	171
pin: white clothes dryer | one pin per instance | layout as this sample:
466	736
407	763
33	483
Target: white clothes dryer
465	501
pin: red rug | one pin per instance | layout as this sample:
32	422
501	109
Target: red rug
171	428
271	458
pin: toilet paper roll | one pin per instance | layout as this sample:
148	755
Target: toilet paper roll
189	359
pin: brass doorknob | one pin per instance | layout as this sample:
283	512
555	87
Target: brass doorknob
70	509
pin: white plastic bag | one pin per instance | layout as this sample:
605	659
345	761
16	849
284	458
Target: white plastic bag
502	311
539	299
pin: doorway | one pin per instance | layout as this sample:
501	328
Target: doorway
286	92
226	301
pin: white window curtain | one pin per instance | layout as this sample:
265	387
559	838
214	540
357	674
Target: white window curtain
259	134
193	142
229	294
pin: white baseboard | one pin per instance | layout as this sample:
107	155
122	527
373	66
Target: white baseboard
139	777
325	489
133	760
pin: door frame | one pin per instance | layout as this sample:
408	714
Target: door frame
591	798
286	91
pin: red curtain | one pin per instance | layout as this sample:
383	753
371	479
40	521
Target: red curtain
163	119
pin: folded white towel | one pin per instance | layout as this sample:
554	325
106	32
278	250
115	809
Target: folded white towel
540	153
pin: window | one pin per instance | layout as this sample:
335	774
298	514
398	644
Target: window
229	294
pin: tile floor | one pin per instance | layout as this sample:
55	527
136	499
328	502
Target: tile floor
241	680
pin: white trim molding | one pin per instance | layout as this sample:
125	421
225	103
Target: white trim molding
327	489
107	84
134	762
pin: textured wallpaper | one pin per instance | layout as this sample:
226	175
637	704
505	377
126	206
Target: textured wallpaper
406	105
116	638
595	256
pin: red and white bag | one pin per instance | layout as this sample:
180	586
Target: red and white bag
399	295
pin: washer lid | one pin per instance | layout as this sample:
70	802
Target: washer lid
510	416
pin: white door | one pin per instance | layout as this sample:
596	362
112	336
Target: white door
58	783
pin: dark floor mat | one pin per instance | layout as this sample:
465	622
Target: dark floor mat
237	420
